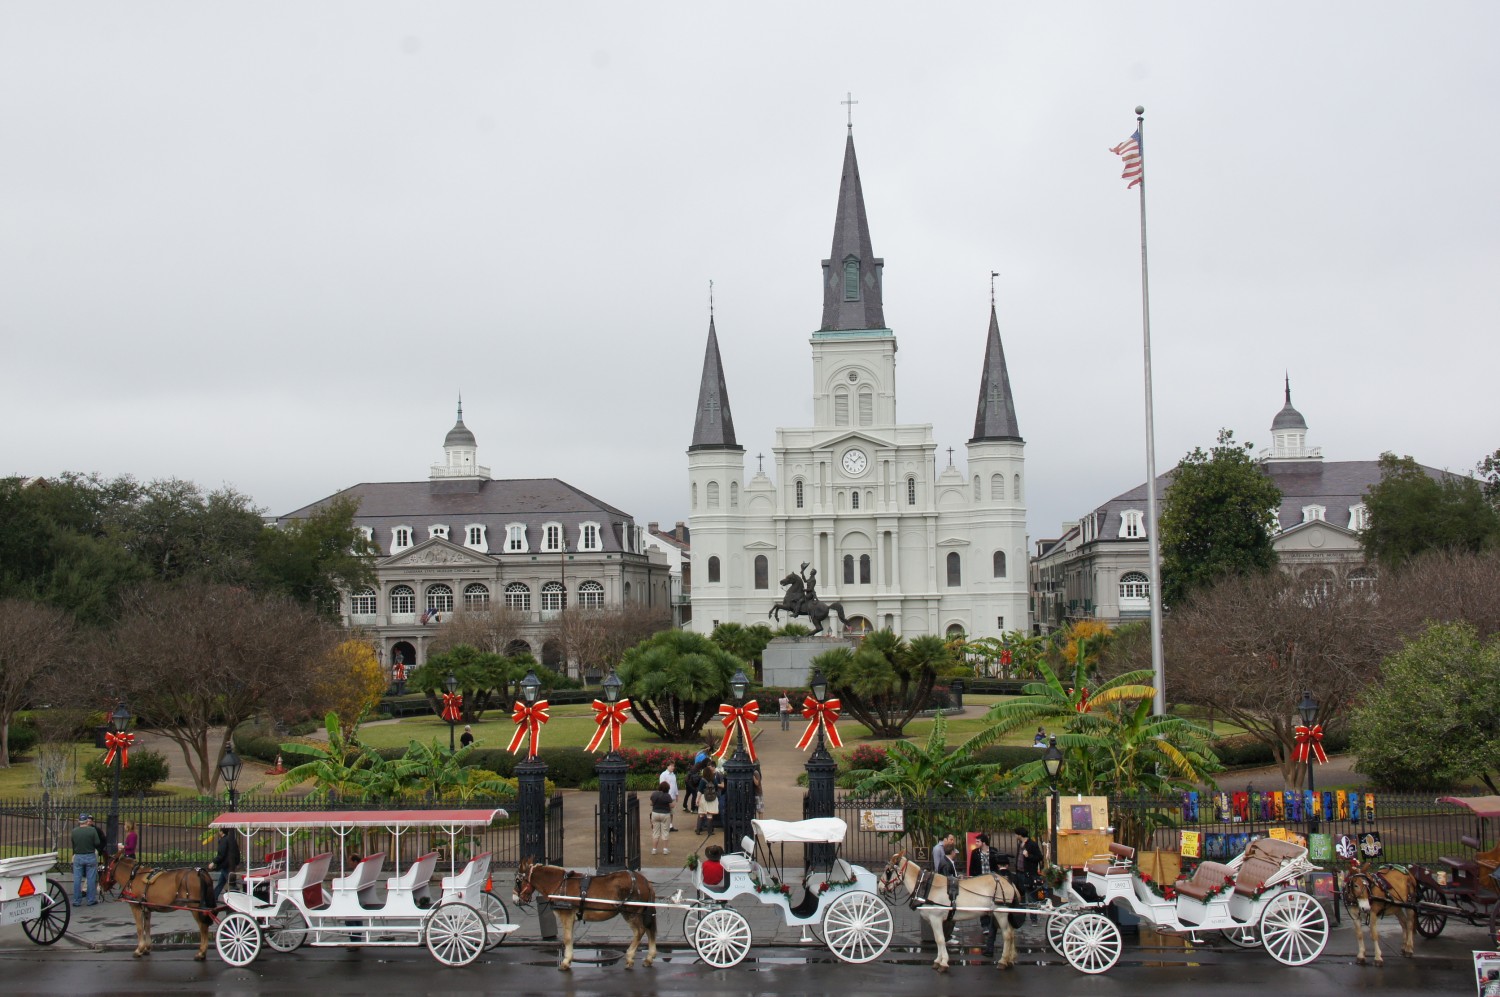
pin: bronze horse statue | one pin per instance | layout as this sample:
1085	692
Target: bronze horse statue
149	890
574	897
802	600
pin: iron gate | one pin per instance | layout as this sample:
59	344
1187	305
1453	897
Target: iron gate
554	831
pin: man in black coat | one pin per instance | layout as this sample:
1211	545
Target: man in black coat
226	859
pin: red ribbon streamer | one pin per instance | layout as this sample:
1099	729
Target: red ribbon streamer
1083	701
118	742
824	715
1310	741
453	707
528	721
610	717
1006	657
740	717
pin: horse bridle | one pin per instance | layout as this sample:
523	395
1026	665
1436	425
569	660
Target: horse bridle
893	877
524	886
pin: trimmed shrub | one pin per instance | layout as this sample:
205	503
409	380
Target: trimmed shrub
22	736
146	769
864	756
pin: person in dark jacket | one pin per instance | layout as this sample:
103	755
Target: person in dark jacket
226	859
985	861
661	816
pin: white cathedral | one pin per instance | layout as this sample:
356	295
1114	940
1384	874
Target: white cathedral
858	496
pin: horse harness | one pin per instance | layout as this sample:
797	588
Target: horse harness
180	898
585	880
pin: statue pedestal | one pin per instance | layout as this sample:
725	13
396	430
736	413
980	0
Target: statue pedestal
787	661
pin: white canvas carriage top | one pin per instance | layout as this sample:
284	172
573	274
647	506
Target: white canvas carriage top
813	831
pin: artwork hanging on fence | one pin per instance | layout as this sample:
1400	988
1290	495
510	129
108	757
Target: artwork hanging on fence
1083	813
885	821
1324	885
1320	847
1190	806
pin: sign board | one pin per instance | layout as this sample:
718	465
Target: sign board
889	821
24	909
1081	813
1487	973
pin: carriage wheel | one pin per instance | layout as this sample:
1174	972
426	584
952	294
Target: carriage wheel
495	917
50	925
722	938
287	931
1294	928
1430	923
857	927
692	916
1057	924
455	934
1246	936
237	939
1091	943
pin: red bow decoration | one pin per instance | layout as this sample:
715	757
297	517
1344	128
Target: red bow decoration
1083	701
824	715
610	717
1310	741
453	707
398	671
118	742
1006	657
741	717
528	721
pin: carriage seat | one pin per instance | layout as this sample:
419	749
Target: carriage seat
1121	857
1273	850
274	868
308	880
416	880
469	882
362	881
1253	873
1207	880
1471	841
705	887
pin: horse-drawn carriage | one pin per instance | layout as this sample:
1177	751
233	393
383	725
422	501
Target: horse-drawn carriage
833	899
288	909
28	897
1252	900
1465	889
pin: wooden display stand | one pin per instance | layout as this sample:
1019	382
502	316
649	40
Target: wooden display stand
1075	848
1083	830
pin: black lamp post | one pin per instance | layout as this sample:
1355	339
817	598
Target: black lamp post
119	719
1052	761
451	684
1309	710
739	776
821	772
531	779
229	771
611	771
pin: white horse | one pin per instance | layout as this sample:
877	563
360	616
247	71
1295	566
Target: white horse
903	880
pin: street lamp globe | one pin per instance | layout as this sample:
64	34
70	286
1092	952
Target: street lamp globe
121	716
738	685
1052	760
819	685
530	686
451	684
1308	708
229	767
612	687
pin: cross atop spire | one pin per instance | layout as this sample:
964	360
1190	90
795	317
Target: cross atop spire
993	275
995	417
710	298
849	103
713	425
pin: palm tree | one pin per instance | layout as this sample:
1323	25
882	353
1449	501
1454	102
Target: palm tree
888	680
341	771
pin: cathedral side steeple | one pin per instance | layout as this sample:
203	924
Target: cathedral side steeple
995	416
713	426
852	272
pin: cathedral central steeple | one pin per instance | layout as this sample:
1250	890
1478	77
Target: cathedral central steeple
852	272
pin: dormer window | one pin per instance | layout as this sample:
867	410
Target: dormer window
1132	525
589	537
474	538
851	279
1314	513
515	538
1359	517
437	531
400	538
552	536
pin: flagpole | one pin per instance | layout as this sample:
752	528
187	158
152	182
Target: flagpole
1158	672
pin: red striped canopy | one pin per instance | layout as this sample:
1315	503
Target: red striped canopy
281	820
1483	806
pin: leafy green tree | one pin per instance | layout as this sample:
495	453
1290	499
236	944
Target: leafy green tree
745	643
484	678
676	681
315	558
1410	511
1488	470
340	771
1217	519
1434	719
888	680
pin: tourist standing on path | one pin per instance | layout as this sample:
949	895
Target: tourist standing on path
984	861
1028	856
132	840
784	710
940	850
669	776
467	737
87	841
708	800
661	816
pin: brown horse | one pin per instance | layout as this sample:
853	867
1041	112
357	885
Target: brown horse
1370	893
903	879
623	894
149	890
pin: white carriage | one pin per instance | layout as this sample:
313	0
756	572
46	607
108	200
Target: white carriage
29	898
835	900
1253	900
286	910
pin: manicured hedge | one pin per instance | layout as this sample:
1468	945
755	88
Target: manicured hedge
146	769
1244	751
22	737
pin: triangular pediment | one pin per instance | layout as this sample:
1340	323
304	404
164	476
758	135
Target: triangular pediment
953	542
759	545
438	551
863	437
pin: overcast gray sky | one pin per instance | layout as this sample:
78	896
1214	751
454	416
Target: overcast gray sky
266	244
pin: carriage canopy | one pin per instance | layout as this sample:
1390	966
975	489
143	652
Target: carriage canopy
246	821
1483	806
813	831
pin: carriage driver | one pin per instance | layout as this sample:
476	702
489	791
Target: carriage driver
226	859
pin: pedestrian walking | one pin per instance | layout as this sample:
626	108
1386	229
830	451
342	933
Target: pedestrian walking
784	710
127	848
226	859
87	841
669	776
661	816
467	737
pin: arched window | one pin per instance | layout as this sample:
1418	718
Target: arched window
854	500
440	599
848	569
1134	585
363	603
590	596
554	597
734	495
518	596
997	487
476	596
762	572
1361	578
911	491
1015	492
400	538
588	535
955	570
866	406
864	569
627	592
437	530
713	569
713	494
798	490
955	630
976	488
999	564
403	600
841	406
695	495
851	279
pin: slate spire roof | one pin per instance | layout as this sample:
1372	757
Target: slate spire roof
460	435
995	418
852	273
1288	417
713	427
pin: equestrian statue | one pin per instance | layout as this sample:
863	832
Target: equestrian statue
801	599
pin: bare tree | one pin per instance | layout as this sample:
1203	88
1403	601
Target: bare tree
193	658
492	629
1444	587
596	639
1249	647
34	640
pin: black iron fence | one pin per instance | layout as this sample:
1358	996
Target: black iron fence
1410	828
175	831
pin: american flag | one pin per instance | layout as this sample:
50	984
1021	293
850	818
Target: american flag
1130	151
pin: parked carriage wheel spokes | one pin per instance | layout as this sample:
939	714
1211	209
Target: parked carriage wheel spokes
857	927
1430	923
1091	943
237	939
1294	928
455	934
50	925
722	938
495	918
1057	925
287	931
1246	936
